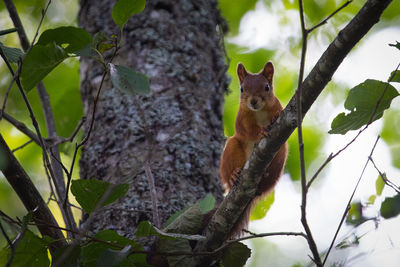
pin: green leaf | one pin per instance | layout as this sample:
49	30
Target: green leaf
39	62
73	257
30	252
350	241
173	216
371	200
88	193
390	207
124	9
111	257
394	76
92	252
12	54
128	80
361	103
72	39
236	255
176	246
207	203
262	207
355	216
379	185
145	228
99	38
189	222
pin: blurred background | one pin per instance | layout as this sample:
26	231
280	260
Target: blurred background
260	31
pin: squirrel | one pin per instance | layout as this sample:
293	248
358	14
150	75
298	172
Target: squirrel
259	108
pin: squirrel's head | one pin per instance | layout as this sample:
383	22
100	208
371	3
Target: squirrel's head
256	90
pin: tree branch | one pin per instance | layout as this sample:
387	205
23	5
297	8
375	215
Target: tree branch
30	197
22	127
330	16
349	202
311	242
57	177
245	190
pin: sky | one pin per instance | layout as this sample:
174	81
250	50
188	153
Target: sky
328	198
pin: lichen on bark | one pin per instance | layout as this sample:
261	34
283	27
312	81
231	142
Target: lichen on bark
177	44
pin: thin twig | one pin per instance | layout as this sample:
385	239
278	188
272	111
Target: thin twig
385	179
311	242
55	170
22	146
332	156
86	138
349	202
227	243
17	23
330	16
22	127
7	218
40	24
58	140
84	228
68	251
10	244
153	193
6	97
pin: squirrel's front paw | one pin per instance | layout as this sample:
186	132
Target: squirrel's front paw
264	132
236	176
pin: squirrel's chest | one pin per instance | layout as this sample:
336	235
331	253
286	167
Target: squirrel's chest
262	118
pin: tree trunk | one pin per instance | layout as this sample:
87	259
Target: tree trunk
177	128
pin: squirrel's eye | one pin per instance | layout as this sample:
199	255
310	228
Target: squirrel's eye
241	89
267	87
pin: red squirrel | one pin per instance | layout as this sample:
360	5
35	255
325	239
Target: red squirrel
259	108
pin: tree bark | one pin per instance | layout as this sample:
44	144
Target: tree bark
177	128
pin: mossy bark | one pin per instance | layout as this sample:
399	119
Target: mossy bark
178	126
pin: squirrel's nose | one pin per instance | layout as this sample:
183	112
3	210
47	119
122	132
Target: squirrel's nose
253	102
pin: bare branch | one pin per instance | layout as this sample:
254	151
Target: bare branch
245	190
22	127
349	202
311	242
29	195
330	16
6	97
57	173
385	179
153	193
332	156
10	244
58	140
17	23
21	146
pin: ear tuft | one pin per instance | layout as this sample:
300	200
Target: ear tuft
241	72
268	71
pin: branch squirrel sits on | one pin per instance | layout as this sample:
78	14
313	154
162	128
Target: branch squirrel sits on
259	108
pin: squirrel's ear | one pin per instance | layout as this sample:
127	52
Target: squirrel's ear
268	71
241	72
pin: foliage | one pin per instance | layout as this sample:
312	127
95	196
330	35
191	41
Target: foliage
124	9
53	59
366	103
30	251
90	193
